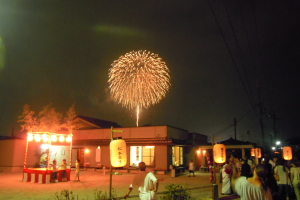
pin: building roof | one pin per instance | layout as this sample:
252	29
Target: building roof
134	141
232	141
99	123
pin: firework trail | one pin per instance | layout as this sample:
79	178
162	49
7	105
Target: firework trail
138	80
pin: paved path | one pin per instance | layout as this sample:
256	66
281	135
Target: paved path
12	187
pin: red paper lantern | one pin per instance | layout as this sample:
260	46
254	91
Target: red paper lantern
219	153
118	156
258	152
253	152
287	153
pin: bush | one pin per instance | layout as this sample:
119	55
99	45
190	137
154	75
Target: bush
176	192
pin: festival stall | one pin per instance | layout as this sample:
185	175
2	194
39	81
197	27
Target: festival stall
41	149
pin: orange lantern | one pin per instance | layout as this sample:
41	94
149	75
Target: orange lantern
219	153
258	152
287	153
118	157
253	152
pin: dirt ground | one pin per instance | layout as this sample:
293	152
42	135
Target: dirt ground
13	188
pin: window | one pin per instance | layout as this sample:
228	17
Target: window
142	153
177	155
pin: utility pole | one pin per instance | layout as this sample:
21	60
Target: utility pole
273	115
235	128
261	112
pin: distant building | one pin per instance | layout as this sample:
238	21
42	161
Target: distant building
157	146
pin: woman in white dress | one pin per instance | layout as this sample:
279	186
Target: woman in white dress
226	175
254	188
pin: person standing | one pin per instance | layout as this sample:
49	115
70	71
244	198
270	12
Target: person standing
146	183
295	177
283	182
63	168
245	169
77	169
254	188
226	175
191	168
54	172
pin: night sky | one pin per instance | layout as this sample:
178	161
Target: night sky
225	58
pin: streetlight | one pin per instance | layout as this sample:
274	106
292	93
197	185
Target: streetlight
278	143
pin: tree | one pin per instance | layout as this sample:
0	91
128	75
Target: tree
70	122
49	119
28	120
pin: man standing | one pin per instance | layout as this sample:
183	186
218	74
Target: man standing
146	183
245	169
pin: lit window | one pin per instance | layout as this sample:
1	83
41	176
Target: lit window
142	154
177	156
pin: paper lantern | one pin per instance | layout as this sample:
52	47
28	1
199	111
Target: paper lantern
287	153
30	137
253	152
219	153
37	137
258	152
53	138
118	157
45	137
69	138
61	138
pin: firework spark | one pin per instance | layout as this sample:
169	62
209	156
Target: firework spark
138	80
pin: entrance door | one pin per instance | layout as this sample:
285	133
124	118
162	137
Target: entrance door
80	156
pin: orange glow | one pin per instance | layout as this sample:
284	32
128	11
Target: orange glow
203	151
149	147
287	153
253	152
258	152
86	150
219	153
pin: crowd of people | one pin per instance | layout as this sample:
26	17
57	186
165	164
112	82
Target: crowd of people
270	179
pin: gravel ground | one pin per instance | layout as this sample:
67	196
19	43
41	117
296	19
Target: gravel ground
12	187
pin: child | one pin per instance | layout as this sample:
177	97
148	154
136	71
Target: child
54	173
191	168
63	168
77	169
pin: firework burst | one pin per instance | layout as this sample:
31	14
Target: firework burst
138	80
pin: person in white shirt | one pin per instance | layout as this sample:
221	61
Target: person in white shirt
254	188
146	183
295	177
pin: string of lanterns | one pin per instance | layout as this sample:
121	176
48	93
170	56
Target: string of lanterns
45	137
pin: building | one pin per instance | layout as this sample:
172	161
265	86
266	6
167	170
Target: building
157	146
